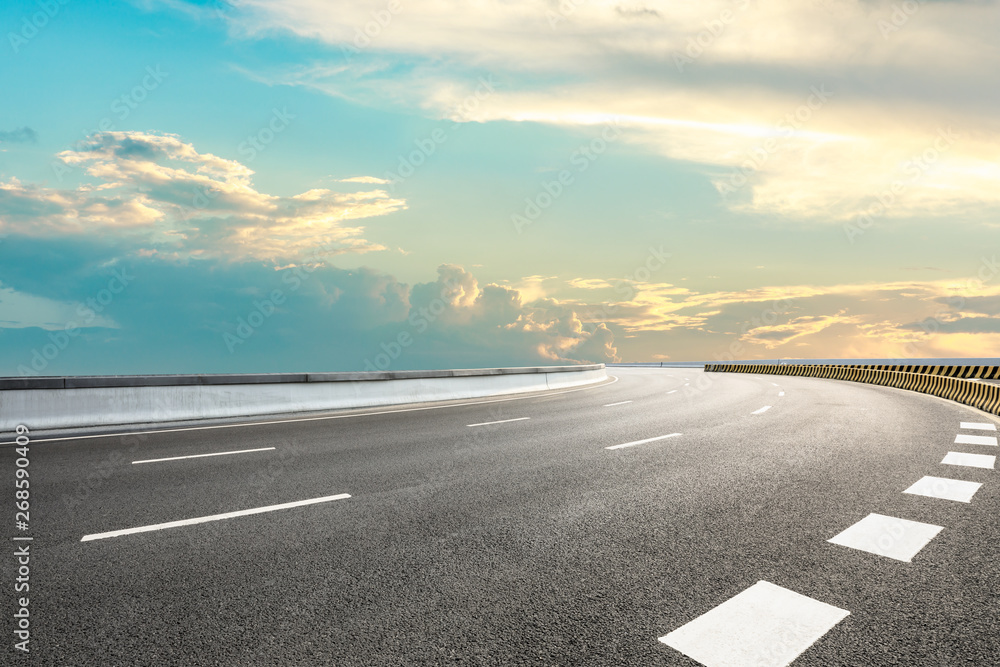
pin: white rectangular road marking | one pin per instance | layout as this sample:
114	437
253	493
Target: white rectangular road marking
198	456
672	391
213	517
762	410
502	421
764	626
888	536
970	460
979	426
962	439
781	393
611	405
640	442
942	487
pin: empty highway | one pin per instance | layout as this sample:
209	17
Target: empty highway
607	525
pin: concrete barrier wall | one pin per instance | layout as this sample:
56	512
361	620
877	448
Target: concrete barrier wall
75	402
658	364
977	394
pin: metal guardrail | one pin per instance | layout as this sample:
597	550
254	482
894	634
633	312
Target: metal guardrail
955	388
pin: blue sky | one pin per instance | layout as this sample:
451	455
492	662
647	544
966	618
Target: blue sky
283	186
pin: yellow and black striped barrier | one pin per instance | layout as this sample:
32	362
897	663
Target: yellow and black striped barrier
937	383
970	372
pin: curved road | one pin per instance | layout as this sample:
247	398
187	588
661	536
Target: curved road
522	539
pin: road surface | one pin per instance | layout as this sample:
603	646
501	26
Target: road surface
565	528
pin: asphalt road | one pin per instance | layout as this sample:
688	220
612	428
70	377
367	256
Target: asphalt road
515	543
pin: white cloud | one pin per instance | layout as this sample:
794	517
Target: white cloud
703	82
177	202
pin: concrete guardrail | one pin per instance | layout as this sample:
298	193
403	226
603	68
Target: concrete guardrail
76	402
960	389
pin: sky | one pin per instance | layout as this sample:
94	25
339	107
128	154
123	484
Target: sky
256	186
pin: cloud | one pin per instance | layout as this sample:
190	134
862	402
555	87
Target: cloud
195	316
973	325
364	179
23	135
19	310
170	200
817	111
494	317
861	320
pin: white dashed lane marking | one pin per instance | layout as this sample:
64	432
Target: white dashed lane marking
502	421
887	536
764	626
944	488
642	442
962	439
970	460
762	410
672	391
979	426
213	517
199	456
611	405
781	393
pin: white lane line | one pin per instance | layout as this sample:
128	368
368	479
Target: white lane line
502	421
887	536
611	405
775	384
198	456
672	391
214	517
764	626
970	460
979	426
312	419
944	488
762	410
642	442
781	393
962	439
